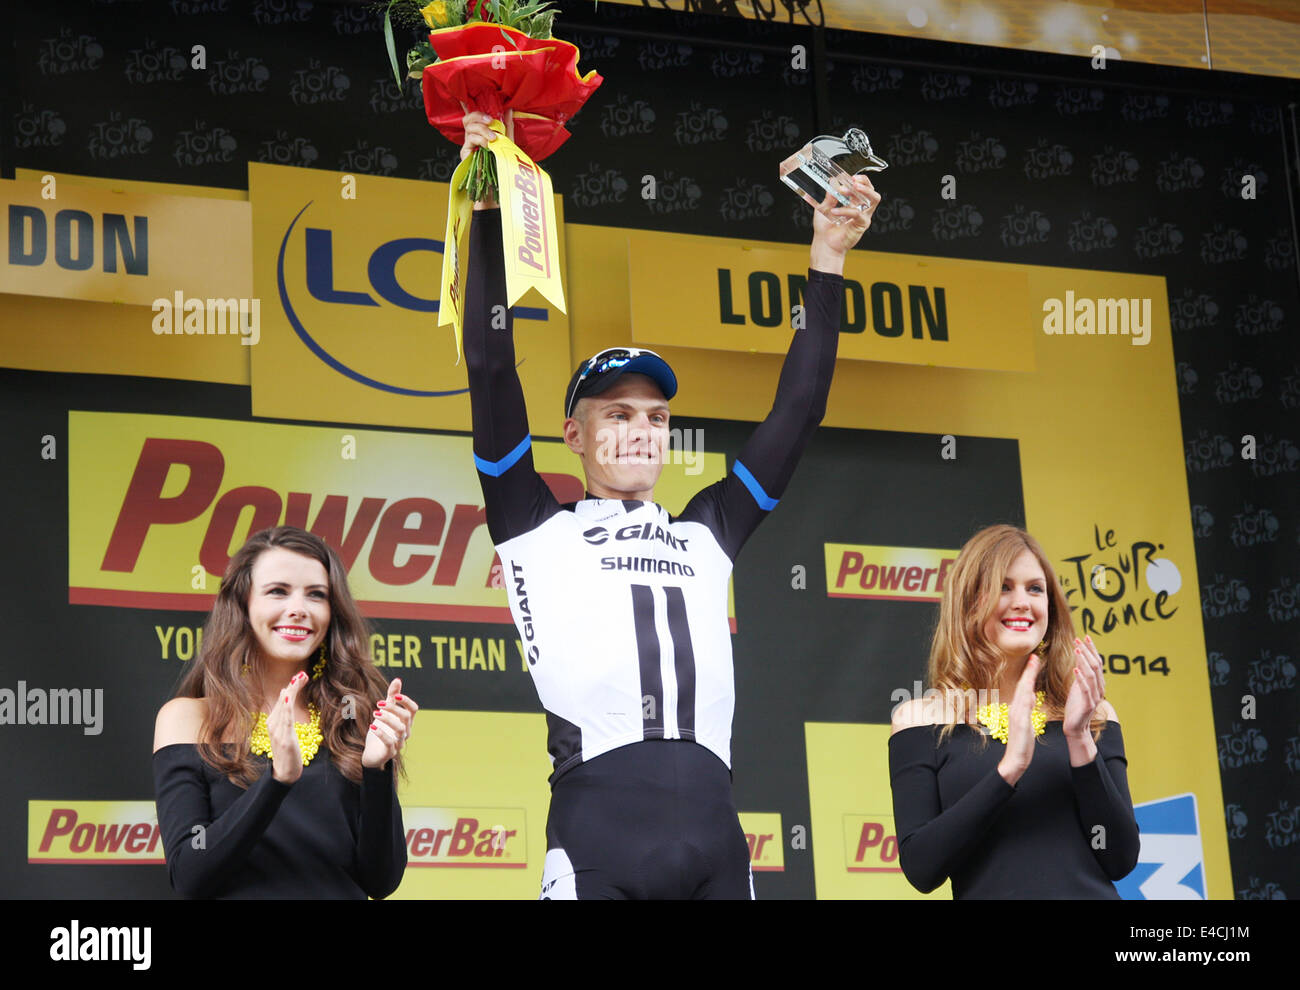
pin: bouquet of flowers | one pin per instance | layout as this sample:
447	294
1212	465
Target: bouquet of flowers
492	56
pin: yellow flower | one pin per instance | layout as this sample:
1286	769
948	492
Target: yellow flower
435	15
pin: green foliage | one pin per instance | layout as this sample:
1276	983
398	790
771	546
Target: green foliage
388	41
418	57
481	179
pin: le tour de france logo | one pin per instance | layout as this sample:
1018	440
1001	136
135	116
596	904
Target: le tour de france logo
302	292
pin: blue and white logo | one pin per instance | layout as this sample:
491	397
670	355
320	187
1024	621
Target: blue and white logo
1171	863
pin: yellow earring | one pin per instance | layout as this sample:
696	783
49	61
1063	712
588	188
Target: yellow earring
318	670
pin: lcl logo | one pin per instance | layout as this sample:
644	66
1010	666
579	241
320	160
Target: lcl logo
596	535
381	273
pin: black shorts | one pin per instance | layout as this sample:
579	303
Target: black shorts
653	820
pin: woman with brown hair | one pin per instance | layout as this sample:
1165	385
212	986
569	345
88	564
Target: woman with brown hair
274	764
1022	800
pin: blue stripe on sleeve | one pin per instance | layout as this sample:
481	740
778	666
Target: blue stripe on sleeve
755	489
495	469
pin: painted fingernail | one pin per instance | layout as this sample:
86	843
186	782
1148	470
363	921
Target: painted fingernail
372	726
381	704
398	697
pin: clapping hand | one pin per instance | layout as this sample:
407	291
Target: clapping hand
390	728
286	755
1086	693
1020	726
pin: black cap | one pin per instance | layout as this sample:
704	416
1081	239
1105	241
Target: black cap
602	370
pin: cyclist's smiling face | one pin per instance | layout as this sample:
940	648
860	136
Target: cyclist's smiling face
622	437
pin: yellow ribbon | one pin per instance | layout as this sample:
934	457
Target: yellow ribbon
529	235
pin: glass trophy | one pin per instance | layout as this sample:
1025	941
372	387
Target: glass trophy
828	164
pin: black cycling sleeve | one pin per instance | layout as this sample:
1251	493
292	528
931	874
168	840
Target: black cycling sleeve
515	497
734	506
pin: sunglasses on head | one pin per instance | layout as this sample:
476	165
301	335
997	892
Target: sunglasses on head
606	360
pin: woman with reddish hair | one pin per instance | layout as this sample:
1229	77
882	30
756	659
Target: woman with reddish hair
1026	799
274	766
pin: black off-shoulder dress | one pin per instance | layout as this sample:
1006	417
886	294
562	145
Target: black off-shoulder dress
1060	832
321	837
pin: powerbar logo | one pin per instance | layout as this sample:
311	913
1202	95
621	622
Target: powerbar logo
896	574
157	504
467	837
93	832
145	507
530	219
763	835
870	844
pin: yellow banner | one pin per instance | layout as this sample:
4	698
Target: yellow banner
93	832
472	773
157	504
75	241
852	808
348	269
896	574
724	294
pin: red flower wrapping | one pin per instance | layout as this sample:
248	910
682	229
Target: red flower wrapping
539	79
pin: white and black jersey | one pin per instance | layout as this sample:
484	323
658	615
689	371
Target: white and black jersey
622	608
623	611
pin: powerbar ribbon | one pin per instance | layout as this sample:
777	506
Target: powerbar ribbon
529	234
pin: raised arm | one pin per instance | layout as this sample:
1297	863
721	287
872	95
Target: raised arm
735	506
515	496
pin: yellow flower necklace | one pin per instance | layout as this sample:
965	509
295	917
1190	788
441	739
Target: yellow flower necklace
309	735
996	723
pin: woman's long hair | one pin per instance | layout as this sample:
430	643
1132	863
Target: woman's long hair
345	695
963	663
